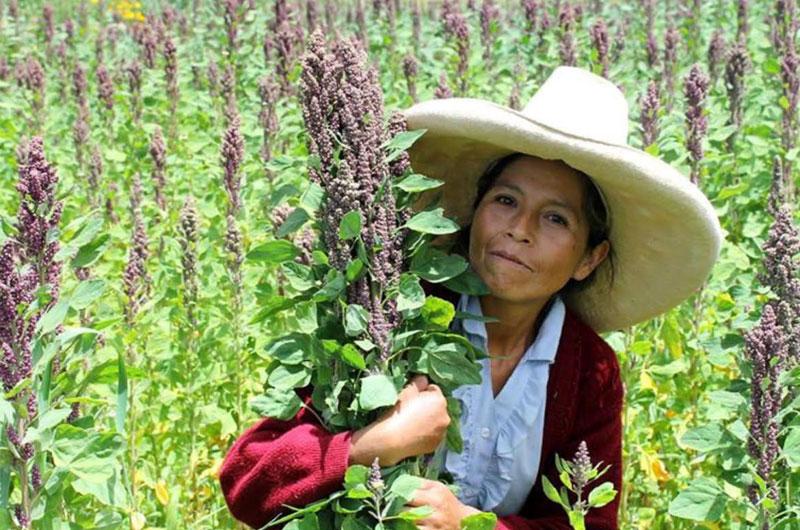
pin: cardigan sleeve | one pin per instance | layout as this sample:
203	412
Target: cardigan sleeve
276	462
598	422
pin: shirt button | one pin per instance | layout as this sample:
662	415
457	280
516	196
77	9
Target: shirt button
485	432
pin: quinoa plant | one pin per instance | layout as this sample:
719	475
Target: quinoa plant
375	325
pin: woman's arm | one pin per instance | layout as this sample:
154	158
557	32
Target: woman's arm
276	462
598	422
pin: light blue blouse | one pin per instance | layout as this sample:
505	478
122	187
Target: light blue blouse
502	435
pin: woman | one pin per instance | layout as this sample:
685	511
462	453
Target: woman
574	233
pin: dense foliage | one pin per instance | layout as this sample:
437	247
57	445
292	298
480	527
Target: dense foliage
159	215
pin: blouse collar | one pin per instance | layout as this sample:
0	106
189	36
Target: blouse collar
545	344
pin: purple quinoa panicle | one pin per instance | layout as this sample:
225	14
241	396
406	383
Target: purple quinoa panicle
696	89
735	69
649	114
566	21
232	154
443	88
715	54
599	34
766	349
158	152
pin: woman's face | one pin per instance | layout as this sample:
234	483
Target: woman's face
534	211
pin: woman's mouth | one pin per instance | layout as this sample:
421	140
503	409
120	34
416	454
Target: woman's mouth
508	260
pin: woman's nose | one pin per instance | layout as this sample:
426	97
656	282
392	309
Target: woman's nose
522	227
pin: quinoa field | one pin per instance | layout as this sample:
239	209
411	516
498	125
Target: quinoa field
178	232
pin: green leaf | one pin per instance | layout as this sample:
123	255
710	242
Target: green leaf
791	448
401	142
299	276
114	155
274	252
86	292
294	221
377	391
50	419
352	356
295	348
356	319
53	317
437	312
355	475
468	282
86	454
436	266
110	491
416	183
550	490
354	269
350	225
479	521
91	252
704	438
432	222
313	196
702	500
455	442
404	486
602	495
333	286
122	393
277	404
448	361
6	412
285	377
410	296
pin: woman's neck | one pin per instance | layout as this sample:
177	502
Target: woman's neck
515	330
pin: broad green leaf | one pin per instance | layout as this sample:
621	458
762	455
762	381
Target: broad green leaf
294	348
274	252
355	475
468	282
436	266
90	252
53	317
449	362
356	319
410	296
86	292
432	222
110	491
6	412
350	225
791	448
354	269
352	356
704	438
286	377
313	196
377	391
333	286
277	404
602	495
294	221
702	500
299	276
401	142
437	312
415	183
50	419
404	486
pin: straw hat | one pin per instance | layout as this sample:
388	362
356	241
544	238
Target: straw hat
664	231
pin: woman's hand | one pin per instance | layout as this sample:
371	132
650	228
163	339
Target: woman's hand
447	509
416	425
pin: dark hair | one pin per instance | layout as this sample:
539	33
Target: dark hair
593	209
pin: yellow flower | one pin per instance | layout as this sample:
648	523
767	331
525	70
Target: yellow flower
652	465
161	492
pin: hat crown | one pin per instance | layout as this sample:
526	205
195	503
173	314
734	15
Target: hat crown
578	102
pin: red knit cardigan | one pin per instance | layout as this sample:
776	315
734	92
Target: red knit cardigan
298	461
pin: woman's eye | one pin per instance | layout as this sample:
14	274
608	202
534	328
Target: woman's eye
558	219
501	197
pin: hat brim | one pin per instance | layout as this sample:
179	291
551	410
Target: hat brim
665	232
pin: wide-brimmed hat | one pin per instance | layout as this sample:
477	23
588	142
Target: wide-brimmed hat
664	232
